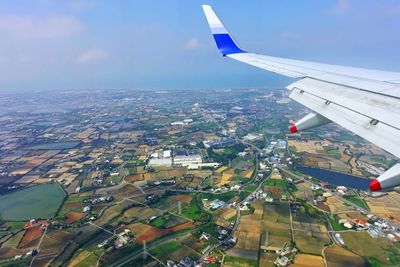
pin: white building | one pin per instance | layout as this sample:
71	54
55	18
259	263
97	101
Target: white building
186	160
160	162
167	154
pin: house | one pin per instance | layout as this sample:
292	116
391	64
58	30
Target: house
205	236
86	209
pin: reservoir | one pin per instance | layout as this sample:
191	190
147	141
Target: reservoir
336	178
33	202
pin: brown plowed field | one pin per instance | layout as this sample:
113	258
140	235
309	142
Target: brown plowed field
31	234
146	232
73	217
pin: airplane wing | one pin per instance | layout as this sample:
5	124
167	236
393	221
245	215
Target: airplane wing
364	101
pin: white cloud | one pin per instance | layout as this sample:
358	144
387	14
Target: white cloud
340	7
37	28
192	43
91	55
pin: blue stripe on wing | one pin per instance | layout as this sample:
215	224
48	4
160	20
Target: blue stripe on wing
226	45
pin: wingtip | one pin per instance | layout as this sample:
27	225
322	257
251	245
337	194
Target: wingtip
375	185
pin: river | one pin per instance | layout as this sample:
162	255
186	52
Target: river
336	178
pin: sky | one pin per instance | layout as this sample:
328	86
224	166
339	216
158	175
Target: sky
166	44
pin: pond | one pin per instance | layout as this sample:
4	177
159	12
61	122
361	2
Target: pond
37	201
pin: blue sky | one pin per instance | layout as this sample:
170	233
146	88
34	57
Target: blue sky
85	44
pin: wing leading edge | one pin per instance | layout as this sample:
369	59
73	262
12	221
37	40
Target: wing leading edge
364	101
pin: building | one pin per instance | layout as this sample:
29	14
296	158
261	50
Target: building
187	160
160	162
196	166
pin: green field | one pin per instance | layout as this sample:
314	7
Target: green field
336	226
39	201
192	211
164	250
239	262
358	201
274	182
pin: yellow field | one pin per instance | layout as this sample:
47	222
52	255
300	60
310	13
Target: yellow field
249	230
354	169
311	146
386	206
276	175
228	213
248	173
221	169
306	260
225	179
337	206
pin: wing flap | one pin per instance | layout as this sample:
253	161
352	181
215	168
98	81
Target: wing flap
381	134
375	106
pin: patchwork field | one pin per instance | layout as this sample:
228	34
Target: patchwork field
386	206
310	146
14	240
304	191
249	230
267	259
363	244
55	241
276	227
337	206
311	242
163	174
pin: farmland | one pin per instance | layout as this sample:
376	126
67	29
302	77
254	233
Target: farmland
306	260
379	250
276	226
336	256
